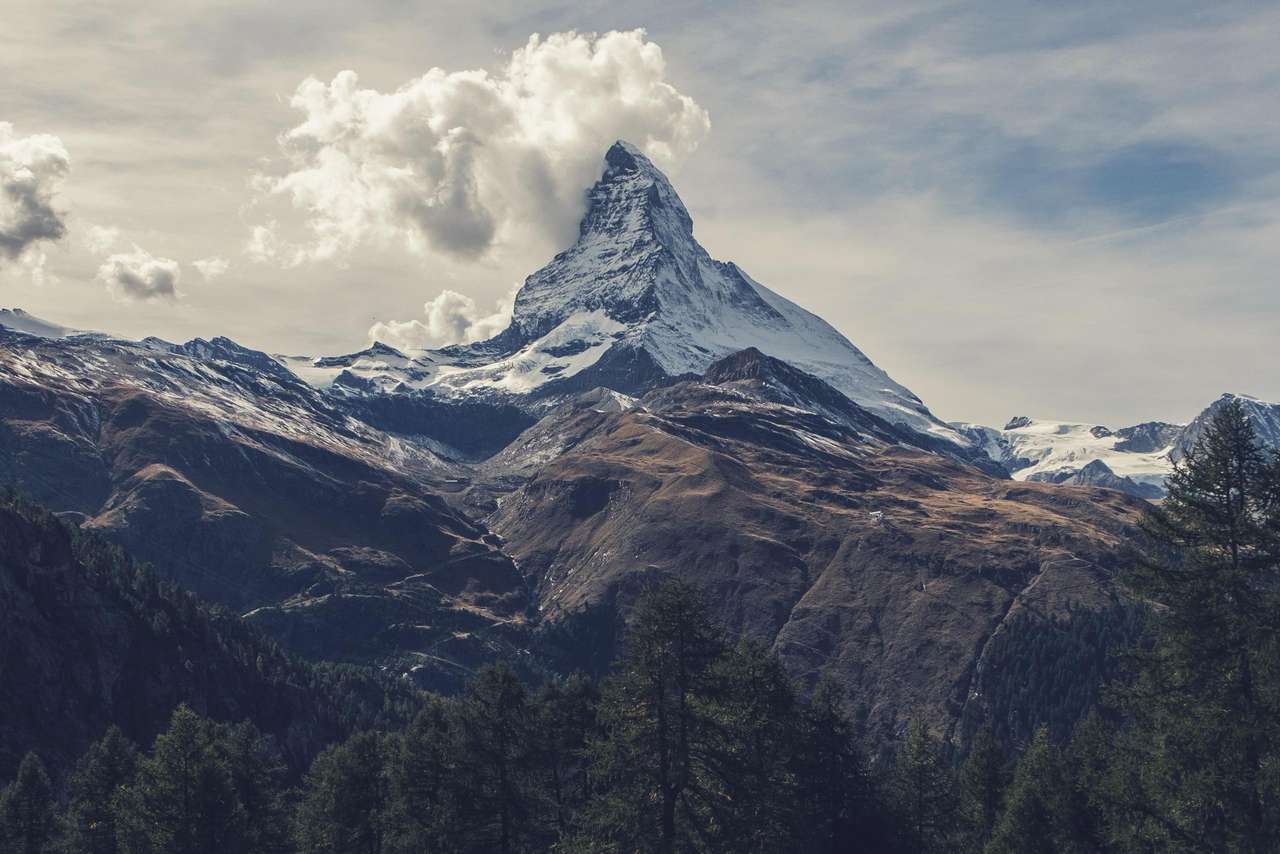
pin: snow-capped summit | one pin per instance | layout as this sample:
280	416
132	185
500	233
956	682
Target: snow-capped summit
637	299
17	320
634	222
1264	416
1065	452
1134	459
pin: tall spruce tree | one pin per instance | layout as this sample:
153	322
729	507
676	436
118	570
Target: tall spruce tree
1208	697
755	750
27	824
257	774
1090	785
107	767
1029	823
983	777
652	764
425	804
182	800
345	800
924	792
841	810
565	713
496	749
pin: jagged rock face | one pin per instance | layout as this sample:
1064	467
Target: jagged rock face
1099	474
852	554
634	303
1265	418
770	379
1148	436
250	488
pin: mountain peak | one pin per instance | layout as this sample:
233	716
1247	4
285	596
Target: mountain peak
637	298
633	200
622	156
18	320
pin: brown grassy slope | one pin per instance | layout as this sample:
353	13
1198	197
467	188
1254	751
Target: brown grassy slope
255	493
777	527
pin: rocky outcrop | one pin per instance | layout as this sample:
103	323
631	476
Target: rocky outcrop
1099	474
635	302
1265	418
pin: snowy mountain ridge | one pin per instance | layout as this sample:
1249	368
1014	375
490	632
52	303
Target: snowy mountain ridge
636	298
1135	459
1039	449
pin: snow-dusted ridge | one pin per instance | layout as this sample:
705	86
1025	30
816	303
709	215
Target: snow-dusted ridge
1066	452
18	320
636	288
1040	449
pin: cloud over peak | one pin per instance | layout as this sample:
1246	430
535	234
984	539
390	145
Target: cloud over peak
450	318
32	169
139	275
451	162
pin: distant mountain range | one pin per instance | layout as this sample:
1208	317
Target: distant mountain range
649	412
1133	459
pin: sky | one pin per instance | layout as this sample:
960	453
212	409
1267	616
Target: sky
1063	210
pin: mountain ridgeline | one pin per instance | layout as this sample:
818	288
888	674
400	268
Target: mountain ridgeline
651	415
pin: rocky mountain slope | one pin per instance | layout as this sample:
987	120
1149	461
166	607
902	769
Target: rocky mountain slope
847	550
649	411
1264	416
89	639
252	489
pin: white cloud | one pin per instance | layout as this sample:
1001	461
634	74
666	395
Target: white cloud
263	243
211	268
451	318
452	162
32	169
139	275
100	238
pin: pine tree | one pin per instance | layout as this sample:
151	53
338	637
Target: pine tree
108	766
651	765
842	812
27	824
924	791
1208	695
1029	822
183	800
755	749
983	778
424	814
345	800
565	712
257	775
1092	787
496	749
